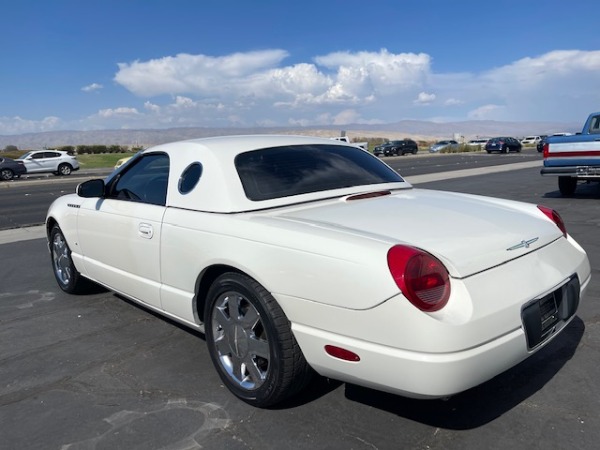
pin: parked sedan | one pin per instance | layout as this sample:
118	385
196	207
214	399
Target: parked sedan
296	255
49	161
9	169
503	145
443	145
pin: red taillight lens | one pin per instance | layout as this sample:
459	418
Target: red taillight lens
546	150
421	277
554	217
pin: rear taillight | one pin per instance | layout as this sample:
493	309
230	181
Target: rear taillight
421	277
546	150
554	217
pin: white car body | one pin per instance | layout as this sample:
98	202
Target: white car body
477	143
530	140
49	161
322	256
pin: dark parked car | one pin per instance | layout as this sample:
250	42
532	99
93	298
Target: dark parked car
397	148
9	168
540	145
503	145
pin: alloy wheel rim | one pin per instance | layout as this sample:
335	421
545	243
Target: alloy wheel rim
240	340
60	257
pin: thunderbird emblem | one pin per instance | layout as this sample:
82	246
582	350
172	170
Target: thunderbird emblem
523	244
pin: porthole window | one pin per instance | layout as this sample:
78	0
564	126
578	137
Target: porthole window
189	178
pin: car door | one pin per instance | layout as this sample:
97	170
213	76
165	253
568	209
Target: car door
119	235
35	162
50	161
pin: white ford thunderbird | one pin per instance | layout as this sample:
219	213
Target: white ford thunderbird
298	254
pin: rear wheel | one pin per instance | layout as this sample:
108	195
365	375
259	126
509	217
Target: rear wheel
505	149
250	342
567	185
6	174
64	169
67	276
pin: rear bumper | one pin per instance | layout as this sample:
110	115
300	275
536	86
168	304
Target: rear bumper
432	375
583	172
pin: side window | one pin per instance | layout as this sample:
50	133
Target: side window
189	178
595	125
145	181
51	155
39	155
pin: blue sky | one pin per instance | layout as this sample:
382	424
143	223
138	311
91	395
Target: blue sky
90	64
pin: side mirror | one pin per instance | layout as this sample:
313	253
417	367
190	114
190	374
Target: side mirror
91	189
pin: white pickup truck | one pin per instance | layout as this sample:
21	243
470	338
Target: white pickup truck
363	145
574	158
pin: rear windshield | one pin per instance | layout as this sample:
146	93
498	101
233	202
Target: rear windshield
277	172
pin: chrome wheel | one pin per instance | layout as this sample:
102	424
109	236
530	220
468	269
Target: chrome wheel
64	169
67	276
240	340
61	259
250	341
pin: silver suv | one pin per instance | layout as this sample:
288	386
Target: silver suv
54	161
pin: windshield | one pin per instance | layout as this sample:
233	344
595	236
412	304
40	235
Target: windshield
300	169
24	156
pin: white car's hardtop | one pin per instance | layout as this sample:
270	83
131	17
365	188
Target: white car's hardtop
220	189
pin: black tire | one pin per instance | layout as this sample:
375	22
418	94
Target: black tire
6	174
506	149
567	185
67	276
253	350
64	169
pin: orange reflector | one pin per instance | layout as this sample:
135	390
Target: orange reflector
341	353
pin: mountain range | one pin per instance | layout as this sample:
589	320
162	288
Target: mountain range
415	129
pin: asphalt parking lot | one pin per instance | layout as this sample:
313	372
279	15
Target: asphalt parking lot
99	372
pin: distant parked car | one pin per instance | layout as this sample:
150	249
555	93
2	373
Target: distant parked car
51	161
503	145
9	168
531	140
400	147
477	143
441	145
540	144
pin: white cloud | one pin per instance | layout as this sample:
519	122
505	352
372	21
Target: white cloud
92	87
485	112
453	102
122	112
424	98
258	89
18	125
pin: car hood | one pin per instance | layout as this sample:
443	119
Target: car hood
468	233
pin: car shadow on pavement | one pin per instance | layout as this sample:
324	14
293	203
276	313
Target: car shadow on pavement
585	191
484	403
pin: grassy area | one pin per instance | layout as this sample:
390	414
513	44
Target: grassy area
101	161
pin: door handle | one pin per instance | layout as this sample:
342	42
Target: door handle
146	231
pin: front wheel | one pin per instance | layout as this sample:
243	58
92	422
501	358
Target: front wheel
250	342
67	276
567	185
6	174
505	149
